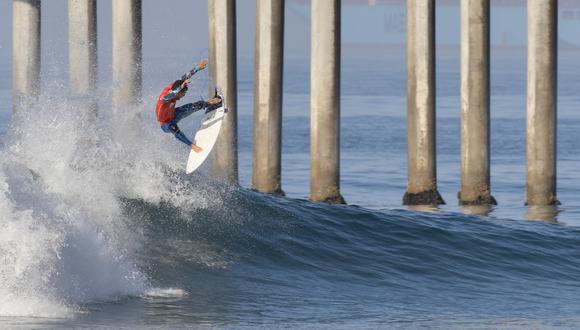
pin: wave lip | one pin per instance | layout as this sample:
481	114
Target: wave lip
165	293
14	306
64	241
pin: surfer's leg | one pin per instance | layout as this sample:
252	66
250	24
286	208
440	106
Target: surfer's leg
199	105
174	129
187	109
183	111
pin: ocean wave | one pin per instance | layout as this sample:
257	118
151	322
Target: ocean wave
92	214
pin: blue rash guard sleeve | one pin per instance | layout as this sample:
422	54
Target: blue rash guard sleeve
189	74
173	93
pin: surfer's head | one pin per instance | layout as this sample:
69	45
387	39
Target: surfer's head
177	84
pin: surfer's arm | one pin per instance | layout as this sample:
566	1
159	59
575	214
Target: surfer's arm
190	74
172	95
200	66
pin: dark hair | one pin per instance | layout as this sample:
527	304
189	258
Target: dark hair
176	84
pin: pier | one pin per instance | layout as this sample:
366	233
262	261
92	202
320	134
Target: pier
325	102
475	135
25	53
222	54
542	103
421	141
325	94
82	50
127	57
267	135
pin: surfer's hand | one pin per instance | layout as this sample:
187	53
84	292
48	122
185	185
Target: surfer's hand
184	83
196	148
202	64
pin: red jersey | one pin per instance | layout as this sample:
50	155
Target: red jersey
165	111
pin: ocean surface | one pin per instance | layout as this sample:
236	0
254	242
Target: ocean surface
101	228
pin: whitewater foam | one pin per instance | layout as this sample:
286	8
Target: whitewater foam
64	238
165	293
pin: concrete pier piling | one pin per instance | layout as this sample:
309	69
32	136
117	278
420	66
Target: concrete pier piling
267	135
475	148
25	52
325	102
222	53
211	46
82	43
542	99
127	57
475	191
421	154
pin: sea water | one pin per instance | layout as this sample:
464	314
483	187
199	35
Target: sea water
100	228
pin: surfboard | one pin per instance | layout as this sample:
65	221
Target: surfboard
206	137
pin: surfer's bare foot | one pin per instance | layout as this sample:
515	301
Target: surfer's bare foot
196	148
214	101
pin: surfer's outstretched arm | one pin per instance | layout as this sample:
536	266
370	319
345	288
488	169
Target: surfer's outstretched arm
181	88
200	66
174	94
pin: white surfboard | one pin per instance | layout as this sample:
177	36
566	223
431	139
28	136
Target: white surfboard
205	137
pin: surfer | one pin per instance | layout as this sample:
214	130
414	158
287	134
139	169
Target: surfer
168	115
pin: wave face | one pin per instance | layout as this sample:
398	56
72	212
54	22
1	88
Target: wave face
99	227
294	261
